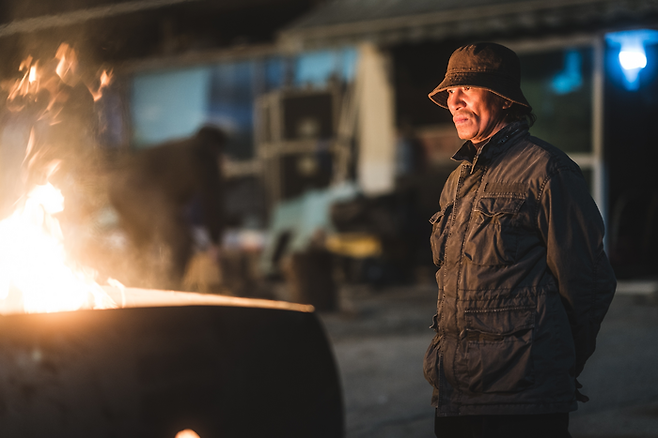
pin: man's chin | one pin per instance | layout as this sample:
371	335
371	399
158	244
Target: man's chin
464	135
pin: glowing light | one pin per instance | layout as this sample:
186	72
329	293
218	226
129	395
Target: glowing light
632	55
187	433
630	60
570	79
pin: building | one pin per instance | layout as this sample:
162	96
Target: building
589	70
317	93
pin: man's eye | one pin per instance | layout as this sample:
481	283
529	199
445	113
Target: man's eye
451	91
467	88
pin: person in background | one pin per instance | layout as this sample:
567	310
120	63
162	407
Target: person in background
523	279
159	192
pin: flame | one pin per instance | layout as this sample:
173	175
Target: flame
33	261
66	73
68	64
27	85
33	74
36	275
105	80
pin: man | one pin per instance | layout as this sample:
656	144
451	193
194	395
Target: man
154	193
523	280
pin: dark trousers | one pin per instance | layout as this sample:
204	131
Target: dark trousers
503	426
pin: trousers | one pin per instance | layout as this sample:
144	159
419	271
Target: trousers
503	426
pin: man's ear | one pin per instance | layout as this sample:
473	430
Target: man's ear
507	104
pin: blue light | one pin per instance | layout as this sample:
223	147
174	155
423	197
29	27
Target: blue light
570	79
632	56
632	59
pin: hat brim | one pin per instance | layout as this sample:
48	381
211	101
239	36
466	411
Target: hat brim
497	84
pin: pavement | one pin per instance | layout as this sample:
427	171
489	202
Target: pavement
379	339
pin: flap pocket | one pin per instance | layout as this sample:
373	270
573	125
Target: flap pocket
493	239
498	349
499	205
439	235
503	321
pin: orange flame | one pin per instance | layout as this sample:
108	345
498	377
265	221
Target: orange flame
68	64
105	80
28	84
66	72
33	262
33	74
35	273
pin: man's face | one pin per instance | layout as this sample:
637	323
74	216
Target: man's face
477	113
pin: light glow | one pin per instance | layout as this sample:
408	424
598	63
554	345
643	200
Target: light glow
632	54
570	79
187	433
634	59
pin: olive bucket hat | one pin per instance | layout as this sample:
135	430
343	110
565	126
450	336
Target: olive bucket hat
483	65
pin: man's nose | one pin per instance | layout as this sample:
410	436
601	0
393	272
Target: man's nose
455	100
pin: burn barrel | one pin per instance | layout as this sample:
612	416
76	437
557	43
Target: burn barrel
222	371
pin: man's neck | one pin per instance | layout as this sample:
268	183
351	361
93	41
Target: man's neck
480	143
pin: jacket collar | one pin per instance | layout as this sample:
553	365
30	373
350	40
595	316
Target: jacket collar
496	144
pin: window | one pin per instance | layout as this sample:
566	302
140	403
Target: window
558	85
174	103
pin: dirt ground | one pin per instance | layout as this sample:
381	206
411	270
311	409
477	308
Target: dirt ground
379	339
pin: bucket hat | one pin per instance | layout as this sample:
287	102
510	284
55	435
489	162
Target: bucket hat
483	65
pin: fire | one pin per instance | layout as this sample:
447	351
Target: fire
68	64
105	79
33	74
33	260
67	70
26	85
36	275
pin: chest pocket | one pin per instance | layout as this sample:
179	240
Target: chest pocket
440	231
493	237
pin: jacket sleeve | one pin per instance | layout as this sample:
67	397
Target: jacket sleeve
572	229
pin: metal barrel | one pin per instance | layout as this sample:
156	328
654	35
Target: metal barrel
222	371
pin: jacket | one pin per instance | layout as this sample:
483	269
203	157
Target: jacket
523	280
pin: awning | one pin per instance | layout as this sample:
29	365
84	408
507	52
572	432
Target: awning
397	21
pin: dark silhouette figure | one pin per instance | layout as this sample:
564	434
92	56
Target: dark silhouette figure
159	193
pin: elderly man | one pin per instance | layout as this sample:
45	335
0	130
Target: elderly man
523	279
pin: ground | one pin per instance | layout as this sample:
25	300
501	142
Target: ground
379	339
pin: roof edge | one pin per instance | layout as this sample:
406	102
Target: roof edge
295	36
